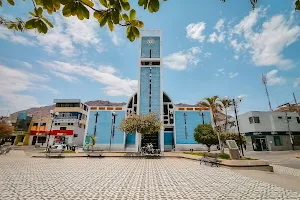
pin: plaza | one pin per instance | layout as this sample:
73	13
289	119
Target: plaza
125	178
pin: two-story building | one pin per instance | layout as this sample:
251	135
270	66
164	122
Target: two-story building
69	125
270	131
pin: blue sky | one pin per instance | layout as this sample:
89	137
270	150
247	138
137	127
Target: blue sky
209	48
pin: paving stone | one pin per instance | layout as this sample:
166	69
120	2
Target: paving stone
122	178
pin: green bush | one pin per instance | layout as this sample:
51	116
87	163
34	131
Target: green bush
224	156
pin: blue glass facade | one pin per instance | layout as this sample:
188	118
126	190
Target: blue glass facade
168	139
150	45
144	90
192	119
130	139
155	90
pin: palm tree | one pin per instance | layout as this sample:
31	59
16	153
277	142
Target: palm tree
226	103
215	107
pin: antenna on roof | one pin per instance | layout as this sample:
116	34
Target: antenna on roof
265	81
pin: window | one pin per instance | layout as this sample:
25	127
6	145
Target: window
289	117
279	117
43	124
298	119
84	126
256	120
35	124
75	135
251	120
277	141
70	124
63	128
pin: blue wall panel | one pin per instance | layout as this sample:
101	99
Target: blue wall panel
168	138
155	90
144	90
192	120
130	139
104	125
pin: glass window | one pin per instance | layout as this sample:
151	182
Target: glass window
256	120
298	119
251	120
289	117
35	124
277	141
297	140
63	128
279	117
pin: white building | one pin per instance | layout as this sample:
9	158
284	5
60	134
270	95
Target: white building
273	131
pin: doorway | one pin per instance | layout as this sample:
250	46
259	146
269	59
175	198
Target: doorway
260	144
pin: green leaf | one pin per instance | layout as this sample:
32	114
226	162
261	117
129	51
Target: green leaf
85	11
110	25
118	6
88	2
139	24
104	3
153	6
125	17
125	5
103	20
11	26
11	2
32	14
115	17
0	3
39	11
136	31
67	10
30	24
142	2
297	3
42	28
47	22
132	14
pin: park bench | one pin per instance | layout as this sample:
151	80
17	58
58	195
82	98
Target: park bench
95	154
55	153
211	158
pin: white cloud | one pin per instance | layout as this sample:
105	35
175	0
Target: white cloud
66	33
194	31
273	79
26	64
115	36
207	54
114	85
220	25
183	59
14	82
221	70
232	74
242	96
14	37
266	46
297	83
236	57
216	38
64	76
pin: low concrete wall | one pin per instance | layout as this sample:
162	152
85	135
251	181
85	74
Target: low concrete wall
195	147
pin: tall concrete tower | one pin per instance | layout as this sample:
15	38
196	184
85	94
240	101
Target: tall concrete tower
150	92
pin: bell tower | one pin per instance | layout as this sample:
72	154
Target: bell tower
150	93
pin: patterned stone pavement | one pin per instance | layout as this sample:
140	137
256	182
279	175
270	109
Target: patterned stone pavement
286	170
125	178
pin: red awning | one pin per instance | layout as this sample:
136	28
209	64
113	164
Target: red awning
53	132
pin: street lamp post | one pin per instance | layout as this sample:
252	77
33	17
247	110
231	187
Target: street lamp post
53	116
290	134
112	132
202	115
237	121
